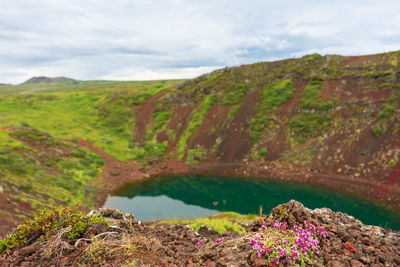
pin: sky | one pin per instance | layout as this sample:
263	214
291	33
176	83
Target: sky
172	39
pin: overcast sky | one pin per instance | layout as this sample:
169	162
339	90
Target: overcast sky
159	39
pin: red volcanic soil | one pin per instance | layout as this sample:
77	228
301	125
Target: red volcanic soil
10	205
179	122
9	128
236	142
210	128
144	115
394	177
294	102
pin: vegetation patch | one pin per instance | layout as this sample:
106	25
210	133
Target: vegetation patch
311	96
68	221
386	112
309	124
50	175
273	96
379	129
196	155
234	94
115	112
220	223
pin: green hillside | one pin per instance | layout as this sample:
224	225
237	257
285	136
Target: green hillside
325	114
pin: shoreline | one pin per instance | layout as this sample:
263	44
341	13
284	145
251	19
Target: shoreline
387	195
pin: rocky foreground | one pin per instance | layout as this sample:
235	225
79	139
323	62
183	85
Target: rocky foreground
123	241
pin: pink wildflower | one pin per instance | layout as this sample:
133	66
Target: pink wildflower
295	254
276	225
199	244
324	234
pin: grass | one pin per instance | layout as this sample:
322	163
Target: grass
220	223
102	116
309	124
79	86
311	97
42	179
234	94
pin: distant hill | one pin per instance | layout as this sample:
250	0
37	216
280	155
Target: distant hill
47	84
44	79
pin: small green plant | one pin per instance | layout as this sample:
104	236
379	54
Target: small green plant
263	152
196	155
379	129
48	223
386	112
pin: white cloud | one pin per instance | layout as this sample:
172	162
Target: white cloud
133	39
156	74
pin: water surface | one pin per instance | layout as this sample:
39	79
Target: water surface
198	196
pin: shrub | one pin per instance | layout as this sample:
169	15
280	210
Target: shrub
263	152
386	112
379	129
196	155
48	223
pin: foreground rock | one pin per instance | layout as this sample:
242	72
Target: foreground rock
350	243
126	241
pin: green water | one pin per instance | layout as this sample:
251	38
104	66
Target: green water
196	196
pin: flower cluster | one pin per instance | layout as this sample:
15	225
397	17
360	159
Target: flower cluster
279	244
200	244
